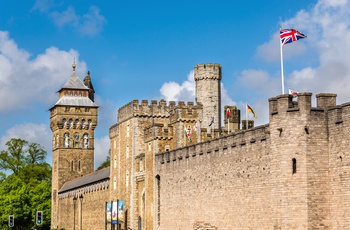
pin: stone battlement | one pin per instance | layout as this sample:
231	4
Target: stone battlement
154	109
207	71
230	143
284	103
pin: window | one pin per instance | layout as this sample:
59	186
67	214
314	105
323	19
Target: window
64	123
86	140
90	123
127	179
83	124
127	130
70	123
158	198
66	140
294	161
79	166
115	182
71	166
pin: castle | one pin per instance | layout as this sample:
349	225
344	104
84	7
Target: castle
175	166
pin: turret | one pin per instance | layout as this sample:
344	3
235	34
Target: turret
208	93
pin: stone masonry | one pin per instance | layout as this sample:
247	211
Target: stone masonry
176	172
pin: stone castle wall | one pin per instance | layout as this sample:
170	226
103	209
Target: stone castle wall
88	212
290	174
218	182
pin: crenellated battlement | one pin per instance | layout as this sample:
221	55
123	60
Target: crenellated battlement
234	144
207	71
156	109
285	103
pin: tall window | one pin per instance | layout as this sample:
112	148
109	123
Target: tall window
71	165
294	162
127	151
115	182
66	140
127	179
86	140
158	198
64	123
83	124
90	123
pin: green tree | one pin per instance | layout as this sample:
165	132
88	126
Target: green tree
28	188
107	162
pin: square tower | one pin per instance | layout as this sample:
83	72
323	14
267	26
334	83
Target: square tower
73	120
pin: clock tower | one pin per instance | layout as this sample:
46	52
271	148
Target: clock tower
73	120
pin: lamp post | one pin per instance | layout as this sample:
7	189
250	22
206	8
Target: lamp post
74	203
81	211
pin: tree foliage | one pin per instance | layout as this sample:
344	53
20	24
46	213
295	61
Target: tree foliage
27	188
106	163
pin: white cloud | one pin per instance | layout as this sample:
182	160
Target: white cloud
26	81
66	17
101	150
88	24
324	52
172	91
33	133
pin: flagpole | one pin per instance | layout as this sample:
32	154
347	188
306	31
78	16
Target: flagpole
282	74
228	123
246	116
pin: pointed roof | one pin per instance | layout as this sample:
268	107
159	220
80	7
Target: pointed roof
75	101
74	82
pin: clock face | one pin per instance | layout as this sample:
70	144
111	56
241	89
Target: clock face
76	136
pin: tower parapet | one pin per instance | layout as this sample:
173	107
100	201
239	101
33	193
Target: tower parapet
208	71
208	93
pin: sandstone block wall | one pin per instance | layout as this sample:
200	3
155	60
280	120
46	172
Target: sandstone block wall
290	174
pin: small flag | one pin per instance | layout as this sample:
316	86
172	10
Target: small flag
293	93
290	35
195	127
251	111
188	135
228	113
212	121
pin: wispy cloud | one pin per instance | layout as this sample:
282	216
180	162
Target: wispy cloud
89	24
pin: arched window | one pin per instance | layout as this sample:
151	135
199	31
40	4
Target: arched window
294	162
70	123
76	123
83	124
86	140
64	123
90	123
66	140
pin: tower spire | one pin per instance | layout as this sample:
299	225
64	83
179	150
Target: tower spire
74	65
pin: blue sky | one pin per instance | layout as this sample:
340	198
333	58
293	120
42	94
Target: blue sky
147	50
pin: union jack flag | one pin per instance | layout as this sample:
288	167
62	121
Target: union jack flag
290	35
